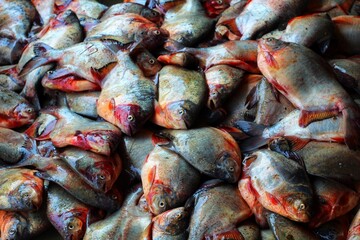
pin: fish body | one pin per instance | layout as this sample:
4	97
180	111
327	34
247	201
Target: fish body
168	180
210	150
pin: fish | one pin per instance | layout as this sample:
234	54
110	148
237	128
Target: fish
10	14
346	35
188	23
346	70
236	106
10	51
83	103
212	151
231	209
239	54
90	60
225	26
171	225
297	85
271	108
21	190
129	7
127	96
99	171
354	230
310	30
45	9
180	96
267	235
65	128
129	28
135	150
326	5
284	228
333	200
15	146
13	225
58	171
15	111
88	22
214	8
90	8
335	229
222	80
149	65
68	215
249	230
282	187
129	222
168	180
9	78
261	16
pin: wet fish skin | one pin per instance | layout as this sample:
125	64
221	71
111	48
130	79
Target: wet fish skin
129	222
255	20
68	215
9	78
181	94
13	225
97	170
282	187
10	51
347	73
122	104
335	229
354	230
91	8
232	209
168	180
171	225
15	111
21	190
83	103
211	151
273	61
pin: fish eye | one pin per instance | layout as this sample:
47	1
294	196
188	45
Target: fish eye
179	215
12	231
152	61
26	195
102	177
162	204
219	1
302	206
154	13
157	32
213	93
181	112
114	197
71	227
50	72
105	137
130	118
231	169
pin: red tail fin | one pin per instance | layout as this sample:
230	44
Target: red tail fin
352	126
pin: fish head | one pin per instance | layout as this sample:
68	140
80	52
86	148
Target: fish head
227	168
26	197
67	17
174	221
99	141
271	45
159	198
129	118
151	15
215	93
24	111
154	37
180	114
101	175
215	7
147	63
73	228
299	207
14	227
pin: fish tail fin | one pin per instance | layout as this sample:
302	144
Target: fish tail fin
351	116
17	50
43	56
255	131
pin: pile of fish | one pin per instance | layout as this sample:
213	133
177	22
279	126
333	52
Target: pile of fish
180	119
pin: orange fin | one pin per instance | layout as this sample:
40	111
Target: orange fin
159	140
100	73
252	98
296	143
352	127
230	235
307	117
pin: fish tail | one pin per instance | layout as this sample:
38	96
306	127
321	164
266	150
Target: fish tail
351	116
43	56
255	131
17	50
